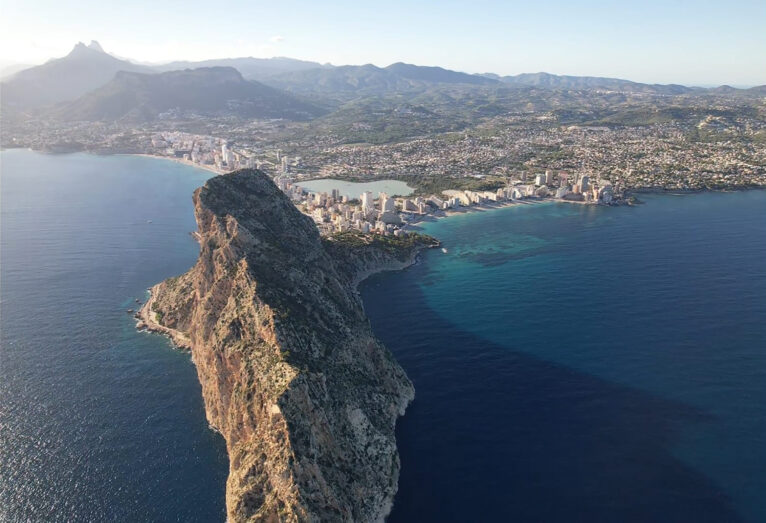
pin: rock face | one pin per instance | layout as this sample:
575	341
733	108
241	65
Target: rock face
292	376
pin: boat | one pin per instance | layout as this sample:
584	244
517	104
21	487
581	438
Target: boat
444	250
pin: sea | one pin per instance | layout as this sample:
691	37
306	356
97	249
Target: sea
584	363
98	422
571	363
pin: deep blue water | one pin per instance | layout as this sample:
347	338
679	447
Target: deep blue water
571	363
577	363
97	421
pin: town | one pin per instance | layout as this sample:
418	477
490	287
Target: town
383	213
709	153
387	214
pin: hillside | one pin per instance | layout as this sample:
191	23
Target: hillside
207	91
553	81
437	75
251	68
84	69
344	80
370	80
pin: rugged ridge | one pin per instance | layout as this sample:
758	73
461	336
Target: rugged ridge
191	93
292	375
84	69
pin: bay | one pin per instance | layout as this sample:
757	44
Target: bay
580	363
572	363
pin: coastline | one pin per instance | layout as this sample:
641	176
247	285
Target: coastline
683	192
485	207
257	399
396	265
188	163
146	319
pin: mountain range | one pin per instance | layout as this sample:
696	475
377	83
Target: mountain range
552	81
84	69
251	68
371	80
89	84
205	91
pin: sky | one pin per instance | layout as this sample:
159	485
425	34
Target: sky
656	41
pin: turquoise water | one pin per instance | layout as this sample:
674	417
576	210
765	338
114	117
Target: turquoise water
355	190
578	363
98	422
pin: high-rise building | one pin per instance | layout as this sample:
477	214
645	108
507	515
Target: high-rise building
367	202
226	154
387	204
606	194
409	205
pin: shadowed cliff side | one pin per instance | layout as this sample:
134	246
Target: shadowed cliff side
292	376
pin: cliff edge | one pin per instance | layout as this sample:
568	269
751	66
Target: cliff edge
292	376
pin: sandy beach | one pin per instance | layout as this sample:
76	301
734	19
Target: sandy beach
489	206
473	208
211	168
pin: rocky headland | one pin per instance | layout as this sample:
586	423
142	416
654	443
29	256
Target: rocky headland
292	376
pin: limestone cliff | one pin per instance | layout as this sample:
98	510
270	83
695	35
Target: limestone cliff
292	376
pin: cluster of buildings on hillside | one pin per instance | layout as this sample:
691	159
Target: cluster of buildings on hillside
648	147
641	157
214	152
202	150
715	153
334	212
660	155
382	214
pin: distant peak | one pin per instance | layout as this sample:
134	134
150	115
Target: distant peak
81	48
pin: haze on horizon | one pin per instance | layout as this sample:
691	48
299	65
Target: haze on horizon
690	43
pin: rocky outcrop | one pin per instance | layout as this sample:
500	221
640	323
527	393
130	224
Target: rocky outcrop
292	376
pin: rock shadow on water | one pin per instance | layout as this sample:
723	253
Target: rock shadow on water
500	435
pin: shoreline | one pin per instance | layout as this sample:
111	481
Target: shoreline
397	265
684	192
463	210
486	207
352	179
188	163
146	320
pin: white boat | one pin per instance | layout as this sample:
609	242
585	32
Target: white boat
444	250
